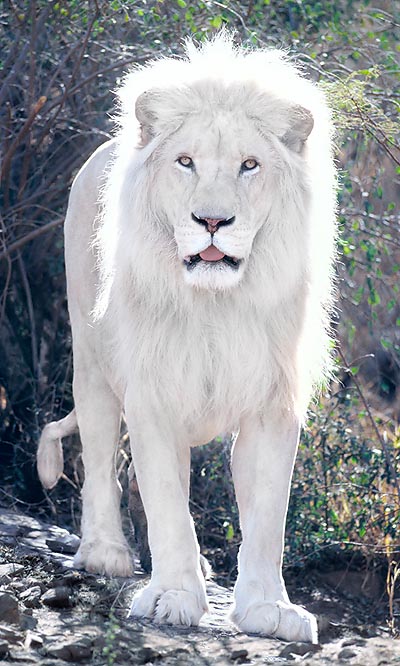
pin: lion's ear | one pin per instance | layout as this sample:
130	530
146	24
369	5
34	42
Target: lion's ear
301	123
146	114
159	110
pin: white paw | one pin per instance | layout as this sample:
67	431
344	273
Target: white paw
180	607
277	619
104	558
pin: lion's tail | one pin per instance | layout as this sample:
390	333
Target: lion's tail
50	459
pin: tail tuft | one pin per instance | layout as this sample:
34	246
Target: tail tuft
50	459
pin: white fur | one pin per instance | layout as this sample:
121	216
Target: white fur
190	354
50	457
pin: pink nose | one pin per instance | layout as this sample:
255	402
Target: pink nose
213	222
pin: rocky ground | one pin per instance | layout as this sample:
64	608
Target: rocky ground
51	614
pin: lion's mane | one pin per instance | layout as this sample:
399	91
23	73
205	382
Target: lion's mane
263	344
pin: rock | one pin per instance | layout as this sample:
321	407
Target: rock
10	634
33	640
3	648
367	631
299	648
24	657
9	609
10	527
72	650
360	642
68	544
31	596
69	579
146	654
10	569
57	597
28	621
347	653
240	656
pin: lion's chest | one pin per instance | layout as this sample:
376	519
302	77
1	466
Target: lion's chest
203	372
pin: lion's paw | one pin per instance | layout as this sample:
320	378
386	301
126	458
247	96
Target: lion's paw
277	619
179	607
104	558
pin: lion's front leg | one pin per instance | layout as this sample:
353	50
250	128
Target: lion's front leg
262	464
176	592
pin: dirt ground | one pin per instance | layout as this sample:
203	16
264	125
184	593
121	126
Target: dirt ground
51	614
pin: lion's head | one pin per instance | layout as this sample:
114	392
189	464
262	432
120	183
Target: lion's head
217	171
222	166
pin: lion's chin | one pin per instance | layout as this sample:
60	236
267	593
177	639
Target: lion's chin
213	276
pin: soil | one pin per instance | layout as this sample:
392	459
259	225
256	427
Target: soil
51	614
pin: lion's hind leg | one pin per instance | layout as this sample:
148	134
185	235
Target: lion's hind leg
103	548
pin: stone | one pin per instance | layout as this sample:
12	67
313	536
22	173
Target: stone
71	650
57	597
360	642
33	640
10	569
31	597
21	656
146	654
68	545
299	648
28	621
9	609
10	634
69	579
347	653
240	656
3	648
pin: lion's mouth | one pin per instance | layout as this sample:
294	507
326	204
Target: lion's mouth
211	256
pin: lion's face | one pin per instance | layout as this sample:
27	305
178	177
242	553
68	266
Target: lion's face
219	165
214	196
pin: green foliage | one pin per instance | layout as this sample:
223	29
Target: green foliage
342	493
109	649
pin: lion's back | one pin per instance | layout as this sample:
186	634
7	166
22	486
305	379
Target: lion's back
83	210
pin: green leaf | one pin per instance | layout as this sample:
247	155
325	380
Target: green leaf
352	332
373	298
216	22
229	534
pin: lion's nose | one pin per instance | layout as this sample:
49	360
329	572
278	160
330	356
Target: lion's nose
212	224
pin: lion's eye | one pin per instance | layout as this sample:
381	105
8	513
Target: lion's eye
185	161
249	165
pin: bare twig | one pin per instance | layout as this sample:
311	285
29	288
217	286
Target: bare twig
29	303
16	245
20	136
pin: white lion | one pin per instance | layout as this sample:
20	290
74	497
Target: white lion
198	307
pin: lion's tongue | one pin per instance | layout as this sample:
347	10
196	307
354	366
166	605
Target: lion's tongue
211	254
